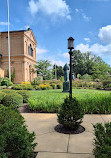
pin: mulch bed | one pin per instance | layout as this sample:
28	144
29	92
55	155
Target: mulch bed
60	129
35	154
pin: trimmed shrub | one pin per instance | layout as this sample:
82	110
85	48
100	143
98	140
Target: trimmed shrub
59	86
25	94
6	82
15	140
2	95
102	142
8	91
70	114
27	87
17	87
22	87
13	100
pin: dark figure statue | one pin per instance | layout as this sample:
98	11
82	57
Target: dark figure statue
66	78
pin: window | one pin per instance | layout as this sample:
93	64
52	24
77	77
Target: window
30	50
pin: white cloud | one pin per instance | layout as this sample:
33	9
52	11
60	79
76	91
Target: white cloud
87	39
82	47
65	55
58	62
41	51
50	7
81	12
4	23
98	49
105	34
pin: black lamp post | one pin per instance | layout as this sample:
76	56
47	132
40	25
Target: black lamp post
70	46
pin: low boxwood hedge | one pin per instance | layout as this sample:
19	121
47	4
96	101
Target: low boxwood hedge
8	91
2	95
15	139
102	141
25	94
13	99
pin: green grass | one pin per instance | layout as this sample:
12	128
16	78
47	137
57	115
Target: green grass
93	101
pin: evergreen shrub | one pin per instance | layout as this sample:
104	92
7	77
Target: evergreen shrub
25	94
13	100
6	82
70	114
8	91
15	139
102	141
2	95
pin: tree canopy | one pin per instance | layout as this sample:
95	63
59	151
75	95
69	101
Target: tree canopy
43	69
86	63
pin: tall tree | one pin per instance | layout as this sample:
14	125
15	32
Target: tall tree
78	63
59	71
86	63
43	69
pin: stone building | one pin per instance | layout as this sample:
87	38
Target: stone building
22	54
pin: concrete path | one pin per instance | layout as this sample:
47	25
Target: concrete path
55	145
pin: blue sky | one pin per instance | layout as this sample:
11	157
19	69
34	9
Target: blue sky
54	21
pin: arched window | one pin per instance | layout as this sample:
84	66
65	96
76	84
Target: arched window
30	50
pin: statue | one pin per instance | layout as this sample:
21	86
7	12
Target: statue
66	78
66	72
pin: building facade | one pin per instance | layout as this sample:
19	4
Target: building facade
22	54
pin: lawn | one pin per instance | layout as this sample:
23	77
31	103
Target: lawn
93	101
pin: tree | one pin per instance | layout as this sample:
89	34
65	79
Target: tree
101	70
58	70
43	69
78	62
86	63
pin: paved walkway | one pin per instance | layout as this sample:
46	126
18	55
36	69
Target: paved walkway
55	145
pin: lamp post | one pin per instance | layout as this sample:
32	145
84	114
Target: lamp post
70	47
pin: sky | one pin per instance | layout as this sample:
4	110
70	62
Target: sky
54	21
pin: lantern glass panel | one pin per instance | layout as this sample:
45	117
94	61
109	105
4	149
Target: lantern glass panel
70	44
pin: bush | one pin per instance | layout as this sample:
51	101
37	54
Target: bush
102	142
45	86
8	91
25	94
59	86
36	81
15	140
22	87
6	82
13	100
27	87
17	87
37	87
2	95
53	86
70	114
106	83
